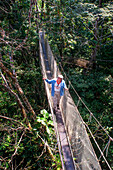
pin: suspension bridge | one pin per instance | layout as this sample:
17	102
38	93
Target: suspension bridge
75	149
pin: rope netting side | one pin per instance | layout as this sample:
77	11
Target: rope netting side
91	115
80	99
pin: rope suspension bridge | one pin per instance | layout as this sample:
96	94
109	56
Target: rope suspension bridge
75	149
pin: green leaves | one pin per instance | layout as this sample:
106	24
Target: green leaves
45	120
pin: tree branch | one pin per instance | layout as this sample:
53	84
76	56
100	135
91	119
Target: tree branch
25	100
17	146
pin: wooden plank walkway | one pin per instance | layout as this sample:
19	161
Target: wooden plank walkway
69	164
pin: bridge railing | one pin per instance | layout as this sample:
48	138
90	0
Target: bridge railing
82	150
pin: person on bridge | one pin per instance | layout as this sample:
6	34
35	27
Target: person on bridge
57	90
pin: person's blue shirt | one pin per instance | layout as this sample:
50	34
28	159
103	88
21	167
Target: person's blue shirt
62	86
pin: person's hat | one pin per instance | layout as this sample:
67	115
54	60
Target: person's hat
60	76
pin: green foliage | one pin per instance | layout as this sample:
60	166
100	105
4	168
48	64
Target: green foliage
7	103
31	149
79	29
45	120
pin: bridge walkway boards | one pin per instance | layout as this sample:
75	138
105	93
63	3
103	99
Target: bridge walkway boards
69	164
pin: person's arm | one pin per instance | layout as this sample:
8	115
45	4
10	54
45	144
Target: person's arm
65	87
48	81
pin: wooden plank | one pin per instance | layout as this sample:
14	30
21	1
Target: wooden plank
69	164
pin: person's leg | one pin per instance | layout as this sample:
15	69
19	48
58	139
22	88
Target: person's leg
58	99
55	101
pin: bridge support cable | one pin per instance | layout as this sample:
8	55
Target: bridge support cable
63	144
75	131
98	146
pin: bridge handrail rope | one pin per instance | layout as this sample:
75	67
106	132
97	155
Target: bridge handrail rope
91	115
